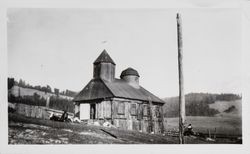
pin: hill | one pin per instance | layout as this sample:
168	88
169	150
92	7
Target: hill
21	91
30	89
204	104
228	108
36	97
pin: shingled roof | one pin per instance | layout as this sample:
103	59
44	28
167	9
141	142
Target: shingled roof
95	89
104	58
100	89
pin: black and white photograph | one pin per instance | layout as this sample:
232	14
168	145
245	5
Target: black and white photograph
102	76
124	76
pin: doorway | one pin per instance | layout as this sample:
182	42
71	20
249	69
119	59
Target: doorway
84	111
92	111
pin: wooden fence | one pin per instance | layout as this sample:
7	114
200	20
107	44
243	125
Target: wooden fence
40	112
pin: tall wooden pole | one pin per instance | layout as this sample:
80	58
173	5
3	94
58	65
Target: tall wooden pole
181	81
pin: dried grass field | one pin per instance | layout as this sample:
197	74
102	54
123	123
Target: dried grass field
218	125
24	130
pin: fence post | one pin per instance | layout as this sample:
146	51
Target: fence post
215	133
209	135
47	101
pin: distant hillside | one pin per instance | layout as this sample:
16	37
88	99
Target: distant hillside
20	91
39	98
24	93
228	108
204	104
30	89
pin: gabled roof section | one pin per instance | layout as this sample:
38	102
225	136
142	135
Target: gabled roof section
122	89
95	89
104	58
100	89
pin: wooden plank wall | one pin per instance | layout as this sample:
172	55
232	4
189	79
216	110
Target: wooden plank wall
143	119
103	110
157	116
127	121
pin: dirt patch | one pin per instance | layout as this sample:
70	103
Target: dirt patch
23	133
33	134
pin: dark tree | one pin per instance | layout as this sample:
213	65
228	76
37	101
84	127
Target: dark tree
11	83
56	91
49	89
21	83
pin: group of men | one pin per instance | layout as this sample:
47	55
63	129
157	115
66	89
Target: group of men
64	118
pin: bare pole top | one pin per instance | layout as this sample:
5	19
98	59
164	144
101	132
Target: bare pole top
177	15
178	18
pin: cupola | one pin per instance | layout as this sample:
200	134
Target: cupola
131	76
104	67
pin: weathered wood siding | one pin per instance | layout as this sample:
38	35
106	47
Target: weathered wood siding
136	114
131	114
157	115
104	71
103	110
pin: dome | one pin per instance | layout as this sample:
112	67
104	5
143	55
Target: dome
129	71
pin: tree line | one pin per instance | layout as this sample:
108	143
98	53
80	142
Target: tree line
35	100
46	89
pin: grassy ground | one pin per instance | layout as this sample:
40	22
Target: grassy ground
231	126
23	130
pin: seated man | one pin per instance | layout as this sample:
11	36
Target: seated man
64	116
189	131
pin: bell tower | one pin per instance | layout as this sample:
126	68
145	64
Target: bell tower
104	67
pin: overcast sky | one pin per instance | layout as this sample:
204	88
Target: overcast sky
58	47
